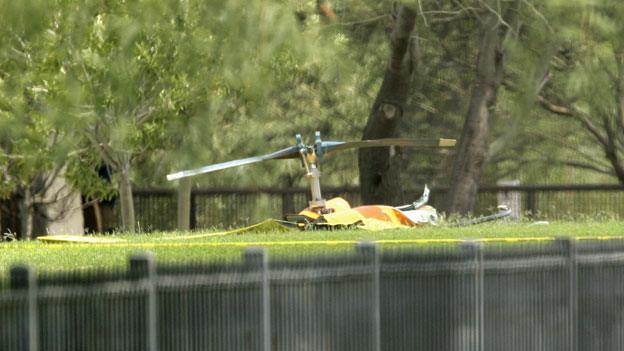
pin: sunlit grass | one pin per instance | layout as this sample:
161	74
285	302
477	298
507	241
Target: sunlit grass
176	247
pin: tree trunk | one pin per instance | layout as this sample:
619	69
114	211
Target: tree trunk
617	131
97	212
472	149
11	218
379	167
126	201
26	214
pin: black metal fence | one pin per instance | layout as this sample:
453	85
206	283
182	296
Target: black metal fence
156	209
222	208
563	295
230	207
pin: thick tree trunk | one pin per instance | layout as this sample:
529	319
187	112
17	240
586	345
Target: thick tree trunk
33	221
11	218
379	167
26	214
616	133
126	201
473	144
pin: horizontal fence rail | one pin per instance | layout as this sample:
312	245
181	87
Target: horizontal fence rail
156	209
562	295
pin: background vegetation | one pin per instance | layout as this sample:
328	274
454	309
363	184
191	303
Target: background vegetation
147	87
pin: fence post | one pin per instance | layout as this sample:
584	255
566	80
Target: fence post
184	204
568	246
370	252
475	252
143	266
23	277
193	214
510	198
256	258
531	203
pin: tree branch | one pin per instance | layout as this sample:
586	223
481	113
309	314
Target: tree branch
364	21
555	108
545	80
587	166
539	15
497	13
571	112
102	147
578	151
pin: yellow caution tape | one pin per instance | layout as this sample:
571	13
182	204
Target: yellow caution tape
324	242
269	225
78	239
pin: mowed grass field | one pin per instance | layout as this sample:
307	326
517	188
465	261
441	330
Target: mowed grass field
210	246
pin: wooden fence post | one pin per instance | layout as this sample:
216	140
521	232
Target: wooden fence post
370	252
23	277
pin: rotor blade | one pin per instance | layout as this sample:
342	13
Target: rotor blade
329	146
290	152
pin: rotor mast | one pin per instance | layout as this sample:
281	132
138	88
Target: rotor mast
310	157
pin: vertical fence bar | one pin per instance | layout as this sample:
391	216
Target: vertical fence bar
370	252
568	246
23	277
193	212
143	266
480	292
475	252
257	258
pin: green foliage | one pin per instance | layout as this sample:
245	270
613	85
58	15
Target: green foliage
160	86
32	139
307	83
573	59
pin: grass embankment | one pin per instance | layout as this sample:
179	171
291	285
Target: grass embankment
179	247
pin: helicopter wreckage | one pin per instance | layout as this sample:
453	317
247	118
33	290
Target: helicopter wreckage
337	213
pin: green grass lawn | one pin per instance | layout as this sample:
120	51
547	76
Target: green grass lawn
177	247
